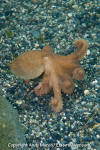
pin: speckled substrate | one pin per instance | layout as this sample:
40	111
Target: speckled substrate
27	25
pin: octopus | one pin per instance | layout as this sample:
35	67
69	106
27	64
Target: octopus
58	71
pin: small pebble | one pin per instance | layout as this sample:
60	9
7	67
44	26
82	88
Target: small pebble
86	92
94	82
69	15
19	102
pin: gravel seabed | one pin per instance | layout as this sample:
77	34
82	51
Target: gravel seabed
26	25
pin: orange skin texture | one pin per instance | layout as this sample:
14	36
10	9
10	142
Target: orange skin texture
59	71
28	65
